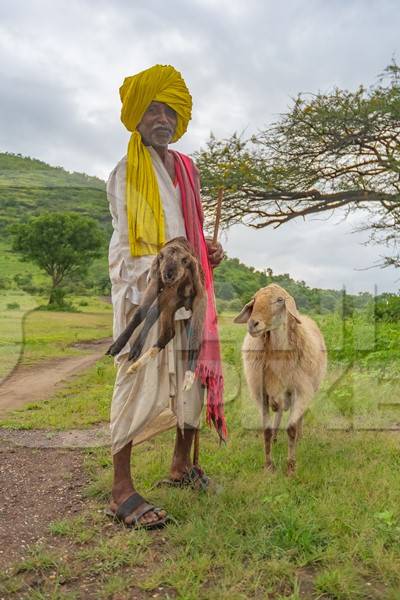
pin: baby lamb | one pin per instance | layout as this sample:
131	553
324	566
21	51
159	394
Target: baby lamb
175	280
284	358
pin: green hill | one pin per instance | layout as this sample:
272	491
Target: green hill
235	284
30	187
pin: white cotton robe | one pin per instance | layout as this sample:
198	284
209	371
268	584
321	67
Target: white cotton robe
151	400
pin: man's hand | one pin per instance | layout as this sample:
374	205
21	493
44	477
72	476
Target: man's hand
215	252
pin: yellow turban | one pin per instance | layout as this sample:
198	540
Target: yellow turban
161	83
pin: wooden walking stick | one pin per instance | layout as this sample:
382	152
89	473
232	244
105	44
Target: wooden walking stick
196	444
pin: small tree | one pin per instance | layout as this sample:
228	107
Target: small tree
61	244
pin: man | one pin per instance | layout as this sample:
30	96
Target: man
154	196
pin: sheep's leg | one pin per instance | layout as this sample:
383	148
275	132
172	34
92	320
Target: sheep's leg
293	430
269	465
300	428
292	438
268	433
277	423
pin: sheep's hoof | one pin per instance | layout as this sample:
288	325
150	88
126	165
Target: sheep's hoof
188	381
143	360
291	468
270	467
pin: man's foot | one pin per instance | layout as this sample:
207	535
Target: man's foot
178	471
193	477
134	511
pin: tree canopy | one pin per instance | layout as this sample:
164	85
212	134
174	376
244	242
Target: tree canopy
329	151
62	244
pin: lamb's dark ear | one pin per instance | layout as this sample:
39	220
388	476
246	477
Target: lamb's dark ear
197	274
154	272
244	315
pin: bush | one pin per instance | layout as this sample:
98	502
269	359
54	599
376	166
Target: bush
13	306
66	307
234	305
387	308
5	283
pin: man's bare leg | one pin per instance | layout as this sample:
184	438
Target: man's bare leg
182	460
123	486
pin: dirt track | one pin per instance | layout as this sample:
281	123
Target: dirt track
35	383
33	498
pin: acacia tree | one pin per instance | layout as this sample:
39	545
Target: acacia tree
339	150
62	244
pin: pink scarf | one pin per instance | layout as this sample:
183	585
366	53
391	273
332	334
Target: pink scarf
209	368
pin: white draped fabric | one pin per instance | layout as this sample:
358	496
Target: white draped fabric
151	400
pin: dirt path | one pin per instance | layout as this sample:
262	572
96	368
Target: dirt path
97	436
38	382
33	496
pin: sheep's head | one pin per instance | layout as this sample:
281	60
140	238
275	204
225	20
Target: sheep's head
268	310
174	259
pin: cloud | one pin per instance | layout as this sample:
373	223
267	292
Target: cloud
61	64
324	253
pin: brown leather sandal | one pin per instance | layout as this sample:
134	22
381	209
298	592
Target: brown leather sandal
126	508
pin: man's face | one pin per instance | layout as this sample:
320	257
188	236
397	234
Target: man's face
158	125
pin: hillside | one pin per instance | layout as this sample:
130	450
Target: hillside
235	284
29	187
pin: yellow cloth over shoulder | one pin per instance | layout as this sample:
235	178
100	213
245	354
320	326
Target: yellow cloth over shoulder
161	83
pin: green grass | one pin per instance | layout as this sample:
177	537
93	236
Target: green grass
42	335
52	334
11	264
83	402
13	307
336	523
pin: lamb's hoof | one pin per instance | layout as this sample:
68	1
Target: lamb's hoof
143	360
270	467
291	468
134	354
188	381
112	351
275	438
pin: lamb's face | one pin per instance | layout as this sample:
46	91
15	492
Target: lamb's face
173	264
268	312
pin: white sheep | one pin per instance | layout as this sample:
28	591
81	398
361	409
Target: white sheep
284	358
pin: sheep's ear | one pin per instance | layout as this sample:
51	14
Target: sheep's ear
292	308
244	316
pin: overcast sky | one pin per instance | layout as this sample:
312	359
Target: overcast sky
62	62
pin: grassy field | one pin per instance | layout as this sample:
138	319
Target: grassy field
29	336
333	530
